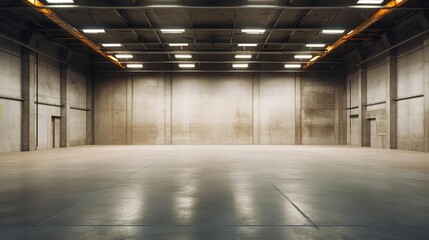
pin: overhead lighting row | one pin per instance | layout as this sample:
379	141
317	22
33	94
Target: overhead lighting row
359	1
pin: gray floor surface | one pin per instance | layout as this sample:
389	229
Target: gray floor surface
214	192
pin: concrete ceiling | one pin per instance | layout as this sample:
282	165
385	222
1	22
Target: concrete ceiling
213	28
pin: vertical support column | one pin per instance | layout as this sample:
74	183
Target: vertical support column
90	107
130	106
256	140
168	107
362	89
391	105
65	109
28	67
337	131
298	120
426	93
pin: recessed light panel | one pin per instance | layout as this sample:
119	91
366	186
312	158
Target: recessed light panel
370	1
93	30
247	44
315	45
333	31
240	65
187	65
183	56
178	44
134	65
173	30
119	56
243	56
253	31
111	45
292	65
303	56
60	1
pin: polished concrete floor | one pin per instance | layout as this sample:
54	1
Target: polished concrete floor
214	192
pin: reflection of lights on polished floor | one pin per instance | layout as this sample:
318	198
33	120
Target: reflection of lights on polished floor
214	192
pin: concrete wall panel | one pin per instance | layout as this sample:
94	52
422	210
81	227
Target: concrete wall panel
10	86
376	81
277	108
148	109
411	125
10	126
110	109
318	109
77	127
212	109
411	74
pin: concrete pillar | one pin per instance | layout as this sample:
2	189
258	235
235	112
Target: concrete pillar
298	120
391	104
340	109
65	109
90	107
426	93
130	105
256	140
28	69
168	107
362	89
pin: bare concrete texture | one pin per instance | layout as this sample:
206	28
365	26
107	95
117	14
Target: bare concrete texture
10	86
410	74
77	98
148	109
212	109
411	124
217	108
399	79
353	132
318	109
377	81
214	192
277	109
110	110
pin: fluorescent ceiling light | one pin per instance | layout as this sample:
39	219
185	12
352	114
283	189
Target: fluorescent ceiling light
243	56
111	45
93	30
178	44
183	56
134	65
253	31
124	56
370	1
315	45
332	31
303	56
247	44
240	65
187	65
292	65
173	30
60	1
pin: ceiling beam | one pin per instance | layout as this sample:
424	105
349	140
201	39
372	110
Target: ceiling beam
211	28
255	6
214	52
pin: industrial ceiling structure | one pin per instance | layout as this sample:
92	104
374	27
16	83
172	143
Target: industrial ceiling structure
167	35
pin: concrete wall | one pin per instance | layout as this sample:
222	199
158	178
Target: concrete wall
37	83
393	103
217	108
10	86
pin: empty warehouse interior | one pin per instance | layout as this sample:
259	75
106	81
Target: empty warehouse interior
243	119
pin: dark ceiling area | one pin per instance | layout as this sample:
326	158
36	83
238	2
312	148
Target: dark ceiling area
213	30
